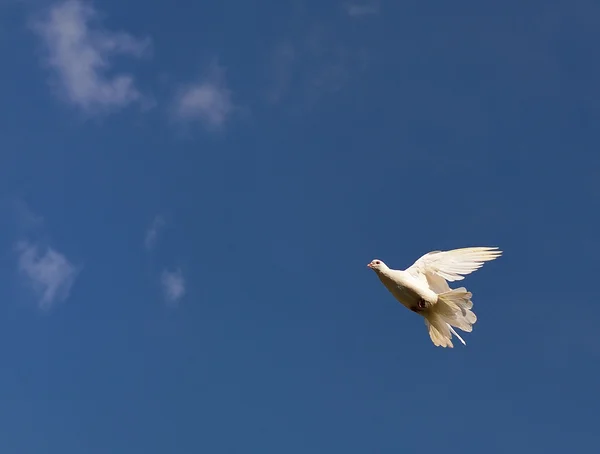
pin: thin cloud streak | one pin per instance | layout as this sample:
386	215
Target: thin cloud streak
282	71
360	10
152	232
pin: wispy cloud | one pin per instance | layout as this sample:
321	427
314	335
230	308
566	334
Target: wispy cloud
208	101
152	232
173	285
49	274
319	63
362	9
26	219
78	50
282	67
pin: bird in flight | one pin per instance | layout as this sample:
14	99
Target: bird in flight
423	288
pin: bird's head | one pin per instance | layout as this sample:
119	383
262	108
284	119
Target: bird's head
377	265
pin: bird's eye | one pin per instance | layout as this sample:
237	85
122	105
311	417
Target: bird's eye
377	262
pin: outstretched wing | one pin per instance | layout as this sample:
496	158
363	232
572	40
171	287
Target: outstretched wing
452	265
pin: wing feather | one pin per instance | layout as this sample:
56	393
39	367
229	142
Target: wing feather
453	265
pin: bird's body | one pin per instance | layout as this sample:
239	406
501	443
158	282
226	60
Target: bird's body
423	288
406	289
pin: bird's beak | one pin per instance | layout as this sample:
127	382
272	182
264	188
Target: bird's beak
369	266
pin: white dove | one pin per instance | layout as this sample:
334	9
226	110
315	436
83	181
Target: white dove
423	289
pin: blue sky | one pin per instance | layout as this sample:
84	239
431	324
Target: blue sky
191	192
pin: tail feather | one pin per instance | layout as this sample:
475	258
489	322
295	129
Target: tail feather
456	334
453	309
438	331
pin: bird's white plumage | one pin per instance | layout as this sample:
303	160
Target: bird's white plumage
423	288
455	264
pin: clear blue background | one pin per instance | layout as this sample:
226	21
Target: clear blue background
461	123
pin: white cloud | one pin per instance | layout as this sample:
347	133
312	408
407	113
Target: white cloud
208	101
173	285
79	54
359	10
50	274
152	232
